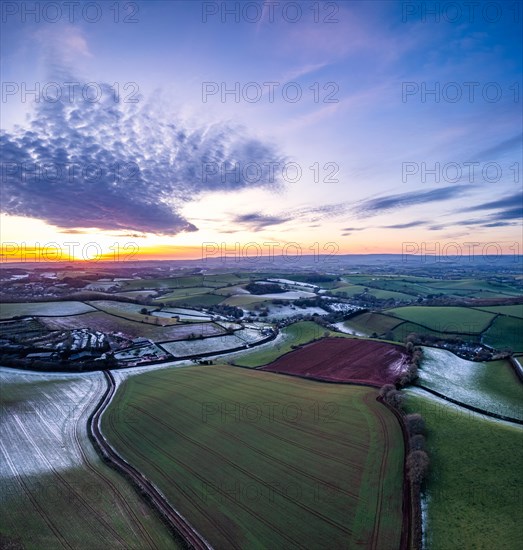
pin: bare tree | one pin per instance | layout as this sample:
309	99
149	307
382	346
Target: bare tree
415	424
417	466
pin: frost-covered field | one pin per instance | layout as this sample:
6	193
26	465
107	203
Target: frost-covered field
294	283
56	492
491	386
217	344
113	304
43	308
285	311
342	327
290	295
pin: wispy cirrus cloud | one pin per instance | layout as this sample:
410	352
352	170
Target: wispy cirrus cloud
405	225
510	201
256	221
502	147
387	203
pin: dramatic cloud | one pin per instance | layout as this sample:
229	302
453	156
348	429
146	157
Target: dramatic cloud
122	166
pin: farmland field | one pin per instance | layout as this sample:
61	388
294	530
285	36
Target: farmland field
344	360
55	309
108	323
491	386
198	300
293	335
505	332
445	319
515	310
182	293
473	495
219	344
56	491
131	312
401	332
330	476
369	323
242	300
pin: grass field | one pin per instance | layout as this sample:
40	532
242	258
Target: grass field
294	335
505	332
43	308
491	386
515	310
403	330
242	300
201	300
369	323
321	467
474	485
445	319
170	282
181	293
131	312
56	491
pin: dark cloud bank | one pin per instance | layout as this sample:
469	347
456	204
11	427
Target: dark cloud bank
118	166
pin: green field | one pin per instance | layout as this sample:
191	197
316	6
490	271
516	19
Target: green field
294	335
492	386
200	300
402	331
43	309
445	319
243	300
473	285
182	293
321	467
505	332
476	474
515	310
369	322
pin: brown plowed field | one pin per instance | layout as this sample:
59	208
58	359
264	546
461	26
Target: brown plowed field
344	360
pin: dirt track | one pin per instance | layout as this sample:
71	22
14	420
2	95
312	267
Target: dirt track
175	520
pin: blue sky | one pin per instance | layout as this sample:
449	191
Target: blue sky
362	156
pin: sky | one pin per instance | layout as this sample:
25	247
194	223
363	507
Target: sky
173	129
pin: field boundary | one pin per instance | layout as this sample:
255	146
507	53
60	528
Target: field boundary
222	352
178	524
412	517
470	407
518	368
